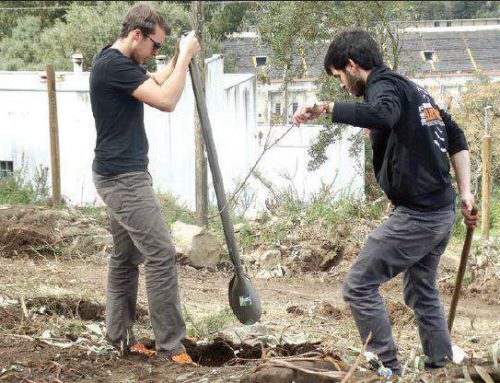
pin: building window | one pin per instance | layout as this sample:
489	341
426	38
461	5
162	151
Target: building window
6	168
429	55
295	106
437	23
277	108
259	61
448	23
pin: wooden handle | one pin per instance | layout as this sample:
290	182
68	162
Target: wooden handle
461	271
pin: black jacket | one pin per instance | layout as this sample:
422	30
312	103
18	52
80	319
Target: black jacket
411	140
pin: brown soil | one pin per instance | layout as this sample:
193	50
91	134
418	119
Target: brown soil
66	294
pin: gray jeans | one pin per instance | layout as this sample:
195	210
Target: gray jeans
140	235
411	242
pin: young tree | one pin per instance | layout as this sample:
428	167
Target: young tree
87	29
19	51
291	29
12	13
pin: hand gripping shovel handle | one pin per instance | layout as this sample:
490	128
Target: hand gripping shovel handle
461	272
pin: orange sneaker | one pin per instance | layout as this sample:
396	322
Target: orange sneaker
182	358
139	348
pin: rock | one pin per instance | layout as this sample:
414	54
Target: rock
244	334
293	237
264	274
250	258
270	258
296	254
318	257
276	272
256	216
237	227
195	246
449	262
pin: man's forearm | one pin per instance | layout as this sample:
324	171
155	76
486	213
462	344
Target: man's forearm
461	164
173	86
161	76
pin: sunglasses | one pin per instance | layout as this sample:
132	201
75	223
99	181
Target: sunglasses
156	46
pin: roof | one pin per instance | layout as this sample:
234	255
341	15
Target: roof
458	51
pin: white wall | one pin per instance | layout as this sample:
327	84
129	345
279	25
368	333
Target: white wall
286	164
232	105
25	132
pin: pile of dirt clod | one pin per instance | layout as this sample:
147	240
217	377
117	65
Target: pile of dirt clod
302	246
36	232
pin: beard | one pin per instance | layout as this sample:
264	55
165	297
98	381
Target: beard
355	84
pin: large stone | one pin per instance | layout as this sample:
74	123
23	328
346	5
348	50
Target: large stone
275	272
250	258
195	246
270	258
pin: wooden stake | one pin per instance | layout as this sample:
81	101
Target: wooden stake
486	187
201	183
54	136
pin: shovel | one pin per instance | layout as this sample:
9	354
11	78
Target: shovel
243	297
461	272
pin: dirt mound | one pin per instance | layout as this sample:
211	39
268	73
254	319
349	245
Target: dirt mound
307	246
10	317
40	232
69	307
295	310
329	311
488	290
221	351
73	308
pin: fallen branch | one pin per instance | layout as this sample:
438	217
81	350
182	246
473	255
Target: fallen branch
316	372
267	146
23	306
358	359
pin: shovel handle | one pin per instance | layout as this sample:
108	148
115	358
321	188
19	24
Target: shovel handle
206	130
461	272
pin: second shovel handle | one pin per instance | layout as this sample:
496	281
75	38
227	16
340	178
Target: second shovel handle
461	271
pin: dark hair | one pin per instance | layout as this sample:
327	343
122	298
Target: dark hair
355	44
144	17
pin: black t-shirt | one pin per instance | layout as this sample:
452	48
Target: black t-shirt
121	144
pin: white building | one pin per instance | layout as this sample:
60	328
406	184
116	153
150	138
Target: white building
441	55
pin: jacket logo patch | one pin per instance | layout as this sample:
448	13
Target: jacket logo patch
429	115
431	118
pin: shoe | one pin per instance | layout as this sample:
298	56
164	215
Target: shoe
140	349
183	359
431	366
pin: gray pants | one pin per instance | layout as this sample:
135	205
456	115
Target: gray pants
411	242
140	235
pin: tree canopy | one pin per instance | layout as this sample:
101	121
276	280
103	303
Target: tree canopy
36	33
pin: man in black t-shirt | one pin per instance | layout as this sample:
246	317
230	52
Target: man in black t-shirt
119	87
413	142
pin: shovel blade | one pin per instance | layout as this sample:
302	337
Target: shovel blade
244	300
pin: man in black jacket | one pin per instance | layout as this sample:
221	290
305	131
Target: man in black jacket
413	141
